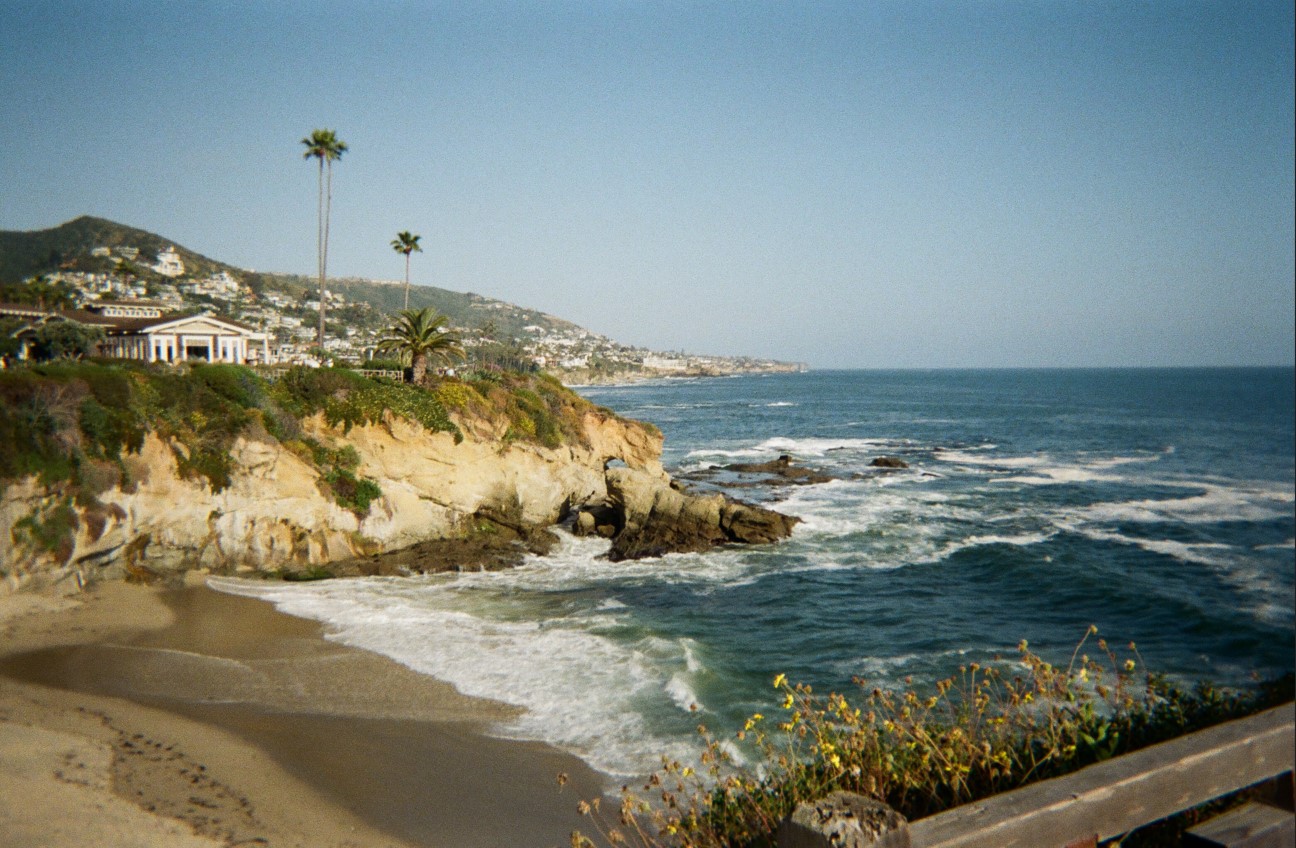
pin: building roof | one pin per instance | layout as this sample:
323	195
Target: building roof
126	326
144	304
118	326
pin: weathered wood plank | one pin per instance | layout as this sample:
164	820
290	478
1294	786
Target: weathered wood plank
1116	796
1249	826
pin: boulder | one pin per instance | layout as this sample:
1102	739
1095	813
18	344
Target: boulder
843	820
755	525
888	462
781	470
658	518
597	520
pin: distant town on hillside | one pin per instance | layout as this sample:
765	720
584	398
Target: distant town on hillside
109	272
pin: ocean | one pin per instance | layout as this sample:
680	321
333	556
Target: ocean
1156	504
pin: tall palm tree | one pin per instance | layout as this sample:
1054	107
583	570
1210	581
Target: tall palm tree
325	146
422	335
406	243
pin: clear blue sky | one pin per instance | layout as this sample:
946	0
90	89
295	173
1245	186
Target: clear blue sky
855	184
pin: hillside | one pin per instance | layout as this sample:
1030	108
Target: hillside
68	247
284	305
465	309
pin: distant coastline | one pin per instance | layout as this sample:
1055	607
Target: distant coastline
92	263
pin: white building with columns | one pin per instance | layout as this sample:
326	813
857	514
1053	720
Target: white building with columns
173	339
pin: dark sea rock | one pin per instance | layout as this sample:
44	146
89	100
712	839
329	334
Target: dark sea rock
658	517
752	475
889	462
782	470
598	520
489	546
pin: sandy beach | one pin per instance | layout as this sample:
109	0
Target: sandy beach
135	716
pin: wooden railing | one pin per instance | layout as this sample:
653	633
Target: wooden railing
1112	798
382	374
274	372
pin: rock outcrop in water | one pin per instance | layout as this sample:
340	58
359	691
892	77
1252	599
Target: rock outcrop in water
651	516
478	501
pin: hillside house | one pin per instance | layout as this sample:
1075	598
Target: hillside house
175	338
155	337
169	263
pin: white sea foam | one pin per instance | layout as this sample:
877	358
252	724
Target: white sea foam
1207	553
893	670
580	690
1019	540
737	453
1050	476
1212	504
691	661
1266	598
682	694
1045	469
820	447
966	457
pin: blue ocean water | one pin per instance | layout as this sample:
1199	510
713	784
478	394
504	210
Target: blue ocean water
1156	504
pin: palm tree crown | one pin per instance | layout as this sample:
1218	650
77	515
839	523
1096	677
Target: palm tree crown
406	243
422	335
325	146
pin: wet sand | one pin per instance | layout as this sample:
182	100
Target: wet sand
237	724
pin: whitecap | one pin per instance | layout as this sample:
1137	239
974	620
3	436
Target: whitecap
821	446
964	457
682	694
1213	503
1053	476
738	453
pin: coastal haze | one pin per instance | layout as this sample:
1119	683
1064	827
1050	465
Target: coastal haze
852	186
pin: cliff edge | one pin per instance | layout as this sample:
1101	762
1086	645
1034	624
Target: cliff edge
323	470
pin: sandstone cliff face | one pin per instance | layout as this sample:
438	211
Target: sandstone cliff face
274	513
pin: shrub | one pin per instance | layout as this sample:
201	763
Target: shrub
38	433
348	399
235	383
973	735
456	394
355	494
51	529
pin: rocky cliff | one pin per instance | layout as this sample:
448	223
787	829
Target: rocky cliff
276	513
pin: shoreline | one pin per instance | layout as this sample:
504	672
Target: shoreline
197	718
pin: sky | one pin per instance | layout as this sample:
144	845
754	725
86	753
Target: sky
917	184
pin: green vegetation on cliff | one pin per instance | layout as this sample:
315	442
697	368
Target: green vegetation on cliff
71	424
